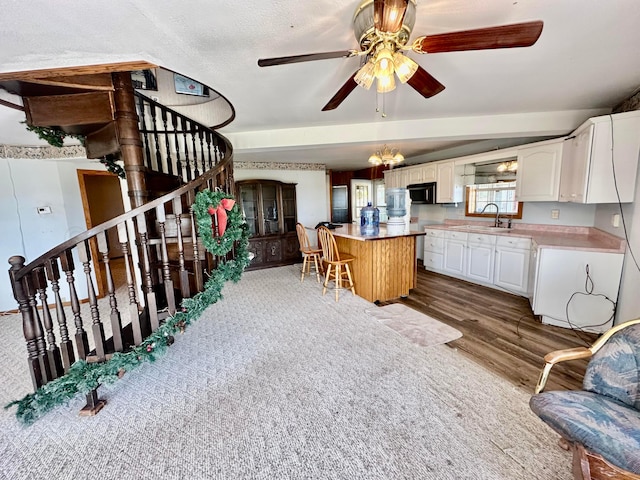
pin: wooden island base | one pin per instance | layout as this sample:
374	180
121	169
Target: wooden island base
385	266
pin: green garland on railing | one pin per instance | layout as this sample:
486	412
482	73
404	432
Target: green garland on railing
83	377
55	136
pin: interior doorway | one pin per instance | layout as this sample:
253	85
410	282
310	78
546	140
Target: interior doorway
101	201
361	194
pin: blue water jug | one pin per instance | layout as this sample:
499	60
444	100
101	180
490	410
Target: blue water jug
369	220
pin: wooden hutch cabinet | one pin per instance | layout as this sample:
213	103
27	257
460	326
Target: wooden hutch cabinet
269	208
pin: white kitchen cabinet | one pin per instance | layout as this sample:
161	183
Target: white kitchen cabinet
428	173
389	179
433	249
449	188
402	177
561	283
480	257
512	263
538	176
455	249
588	160
396	178
415	175
533	266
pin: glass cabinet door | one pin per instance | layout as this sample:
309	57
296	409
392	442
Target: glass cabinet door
270	211
249	205
289	208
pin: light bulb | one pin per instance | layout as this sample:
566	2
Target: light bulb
404	67
385	84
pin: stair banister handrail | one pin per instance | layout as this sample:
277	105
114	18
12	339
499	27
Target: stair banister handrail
72	242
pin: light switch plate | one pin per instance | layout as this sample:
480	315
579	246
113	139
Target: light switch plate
555	214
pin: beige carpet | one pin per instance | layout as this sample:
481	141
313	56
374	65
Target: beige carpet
276	381
415	326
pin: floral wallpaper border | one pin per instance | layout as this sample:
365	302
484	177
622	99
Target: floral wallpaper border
238	165
12	151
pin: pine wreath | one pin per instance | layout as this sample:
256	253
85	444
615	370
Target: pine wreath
215	208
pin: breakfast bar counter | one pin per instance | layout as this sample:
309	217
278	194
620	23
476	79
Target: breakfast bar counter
385	265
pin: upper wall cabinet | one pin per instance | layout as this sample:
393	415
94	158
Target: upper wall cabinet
600	160
449	187
424	173
538	177
401	177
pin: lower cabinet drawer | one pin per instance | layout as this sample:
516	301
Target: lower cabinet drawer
433	261
434	244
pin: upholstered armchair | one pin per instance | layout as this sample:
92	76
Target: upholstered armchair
601	422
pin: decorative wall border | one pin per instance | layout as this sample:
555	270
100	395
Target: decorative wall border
15	151
278	166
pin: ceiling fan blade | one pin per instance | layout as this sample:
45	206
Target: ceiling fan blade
389	14
504	36
343	93
424	83
309	57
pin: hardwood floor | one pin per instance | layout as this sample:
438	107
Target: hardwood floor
499	330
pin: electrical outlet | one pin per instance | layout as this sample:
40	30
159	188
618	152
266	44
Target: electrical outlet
555	214
615	220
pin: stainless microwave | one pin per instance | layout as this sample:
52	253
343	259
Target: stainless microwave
424	193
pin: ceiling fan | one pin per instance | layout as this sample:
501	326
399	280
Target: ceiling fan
383	28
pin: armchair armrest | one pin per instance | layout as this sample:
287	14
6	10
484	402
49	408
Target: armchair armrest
577	353
560	356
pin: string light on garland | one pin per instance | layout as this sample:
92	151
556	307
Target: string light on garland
84	377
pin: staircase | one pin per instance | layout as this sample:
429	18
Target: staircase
168	158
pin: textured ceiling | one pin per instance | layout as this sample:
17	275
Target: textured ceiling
584	63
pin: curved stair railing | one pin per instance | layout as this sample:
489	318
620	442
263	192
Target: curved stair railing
163	260
173	143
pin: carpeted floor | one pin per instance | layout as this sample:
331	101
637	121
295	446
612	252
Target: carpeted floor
277	382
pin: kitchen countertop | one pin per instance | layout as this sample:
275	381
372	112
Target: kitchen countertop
549	236
352	231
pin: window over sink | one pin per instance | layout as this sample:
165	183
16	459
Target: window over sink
503	194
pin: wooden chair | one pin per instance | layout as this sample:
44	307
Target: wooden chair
601	422
309	253
336	261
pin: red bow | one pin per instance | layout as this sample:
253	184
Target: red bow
226	204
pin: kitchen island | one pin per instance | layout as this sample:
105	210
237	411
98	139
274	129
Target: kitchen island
385	265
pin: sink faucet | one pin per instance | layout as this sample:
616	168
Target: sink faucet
498	221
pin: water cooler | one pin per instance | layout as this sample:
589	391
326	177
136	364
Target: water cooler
398	210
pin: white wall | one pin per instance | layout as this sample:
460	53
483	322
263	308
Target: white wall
25	185
311	190
628	298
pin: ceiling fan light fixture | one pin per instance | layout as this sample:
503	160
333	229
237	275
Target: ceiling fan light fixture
386	84
365	75
404	67
384	63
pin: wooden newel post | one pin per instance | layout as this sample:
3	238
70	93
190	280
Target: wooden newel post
131	152
21	296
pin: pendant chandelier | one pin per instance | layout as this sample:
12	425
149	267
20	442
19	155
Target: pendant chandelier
508	166
387	157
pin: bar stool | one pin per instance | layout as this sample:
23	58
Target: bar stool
308	253
333	258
